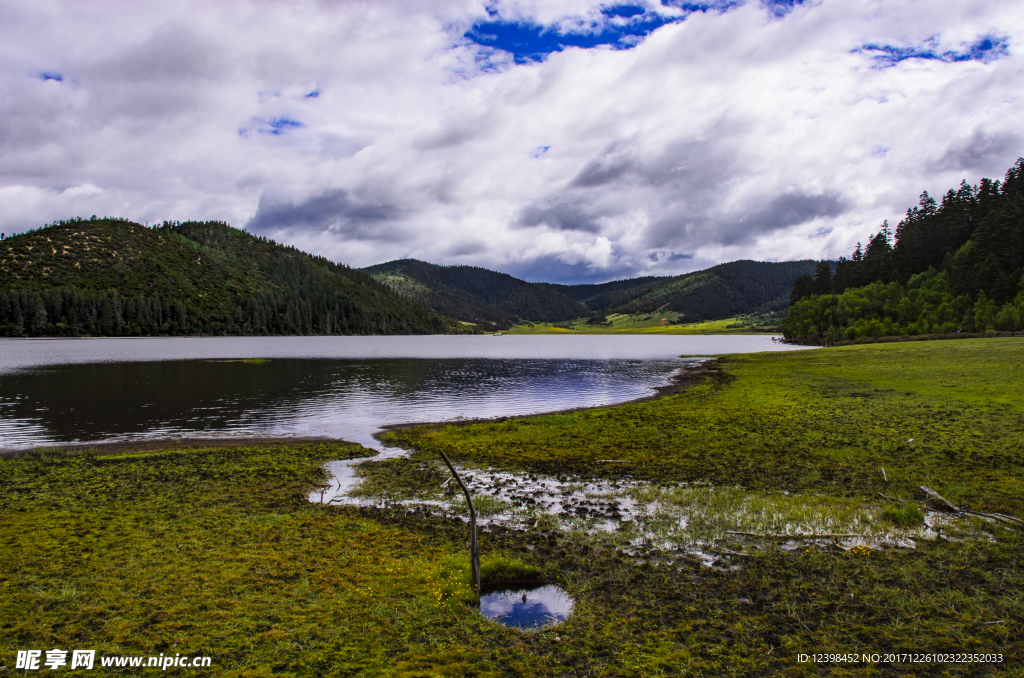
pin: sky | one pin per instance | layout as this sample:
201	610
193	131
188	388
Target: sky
563	141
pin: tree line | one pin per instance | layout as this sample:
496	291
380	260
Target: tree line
955	265
70	312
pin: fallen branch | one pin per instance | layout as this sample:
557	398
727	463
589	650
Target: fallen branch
795	536
1001	517
1006	517
735	553
994	516
611	461
932	493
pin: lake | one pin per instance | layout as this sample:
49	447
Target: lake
59	391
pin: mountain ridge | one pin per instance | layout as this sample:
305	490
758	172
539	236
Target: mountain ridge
118	278
722	291
474	294
113	277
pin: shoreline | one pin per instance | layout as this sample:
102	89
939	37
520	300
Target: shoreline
682	379
161	444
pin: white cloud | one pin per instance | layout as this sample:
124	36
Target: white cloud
724	136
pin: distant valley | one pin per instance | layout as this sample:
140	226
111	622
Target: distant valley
481	296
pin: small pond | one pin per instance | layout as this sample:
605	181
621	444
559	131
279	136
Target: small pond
526	606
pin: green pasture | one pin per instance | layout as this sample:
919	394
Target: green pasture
660	322
946	414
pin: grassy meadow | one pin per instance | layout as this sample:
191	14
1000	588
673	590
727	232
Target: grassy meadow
947	414
643	325
661	322
217	551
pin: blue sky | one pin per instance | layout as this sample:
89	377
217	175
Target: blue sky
564	140
985	48
616	26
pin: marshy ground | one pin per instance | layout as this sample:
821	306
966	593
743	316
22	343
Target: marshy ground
217	551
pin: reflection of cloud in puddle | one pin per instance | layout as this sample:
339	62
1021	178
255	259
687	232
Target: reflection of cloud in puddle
542	606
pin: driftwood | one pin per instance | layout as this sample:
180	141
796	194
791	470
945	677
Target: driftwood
795	536
735	553
995	516
474	546
932	493
1003	518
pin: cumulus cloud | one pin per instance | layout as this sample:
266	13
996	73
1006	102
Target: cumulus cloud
333	214
557	139
980	152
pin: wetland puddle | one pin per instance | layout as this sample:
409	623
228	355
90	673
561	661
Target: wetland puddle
658	523
529	607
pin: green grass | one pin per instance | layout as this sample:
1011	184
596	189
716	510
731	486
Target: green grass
948	415
217	552
905	516
643	324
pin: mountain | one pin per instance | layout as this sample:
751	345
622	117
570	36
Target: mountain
722	291
603	297
113	277
117	278
476	295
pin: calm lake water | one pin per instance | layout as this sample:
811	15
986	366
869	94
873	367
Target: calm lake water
56	391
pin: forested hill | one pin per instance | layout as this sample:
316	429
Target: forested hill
954	265
113	277
609	295
721	291
479	295
476	295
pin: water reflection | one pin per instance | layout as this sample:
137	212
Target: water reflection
527	608
56	391
348	399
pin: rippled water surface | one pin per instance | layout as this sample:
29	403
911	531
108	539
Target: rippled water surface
93	390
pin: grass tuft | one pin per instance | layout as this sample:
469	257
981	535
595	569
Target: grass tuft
502	568
906	516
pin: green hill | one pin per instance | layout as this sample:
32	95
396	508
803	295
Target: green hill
603	297
117	278
476	295
481	296
723	291
112	277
